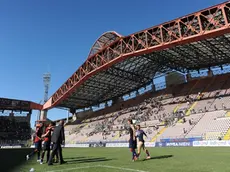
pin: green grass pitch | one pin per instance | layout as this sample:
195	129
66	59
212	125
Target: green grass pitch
187	159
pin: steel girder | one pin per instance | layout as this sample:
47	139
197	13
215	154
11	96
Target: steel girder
169	40
18	105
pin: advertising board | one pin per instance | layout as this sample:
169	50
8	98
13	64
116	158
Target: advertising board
174	144
76	145
11	147
212	143
147	144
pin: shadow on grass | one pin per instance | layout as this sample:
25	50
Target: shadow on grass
11	159
160	157
80	157
85	160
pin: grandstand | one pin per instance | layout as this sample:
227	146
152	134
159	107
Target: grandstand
193	111
15	129
196	44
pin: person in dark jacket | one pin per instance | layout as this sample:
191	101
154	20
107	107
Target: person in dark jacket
58	138
132	140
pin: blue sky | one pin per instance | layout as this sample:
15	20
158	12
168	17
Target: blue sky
37	36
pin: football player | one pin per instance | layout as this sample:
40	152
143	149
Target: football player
140	142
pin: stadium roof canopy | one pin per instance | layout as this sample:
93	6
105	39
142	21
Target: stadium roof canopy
18	105
117	65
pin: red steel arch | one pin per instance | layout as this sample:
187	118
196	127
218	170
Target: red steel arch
103	41
207	23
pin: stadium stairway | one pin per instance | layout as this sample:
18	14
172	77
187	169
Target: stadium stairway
227	135
189	110
228	114
116	136
158	134
180	121
194	125
198	97
85	138
189	92
176	108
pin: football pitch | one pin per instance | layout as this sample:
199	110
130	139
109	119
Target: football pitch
186	159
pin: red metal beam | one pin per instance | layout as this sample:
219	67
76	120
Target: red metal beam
201	25
35	106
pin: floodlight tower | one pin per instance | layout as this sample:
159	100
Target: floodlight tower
46	81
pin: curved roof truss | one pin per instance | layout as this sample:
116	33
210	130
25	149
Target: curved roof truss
103	41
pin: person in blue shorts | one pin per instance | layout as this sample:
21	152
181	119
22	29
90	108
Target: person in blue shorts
132	140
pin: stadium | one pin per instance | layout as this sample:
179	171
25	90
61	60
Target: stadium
186	118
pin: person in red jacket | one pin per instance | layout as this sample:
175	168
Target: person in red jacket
37	142
47	142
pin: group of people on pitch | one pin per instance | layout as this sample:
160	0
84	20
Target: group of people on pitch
55	135
52	138
136	141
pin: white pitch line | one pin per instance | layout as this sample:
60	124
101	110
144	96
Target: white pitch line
76	168
102	166
121	168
